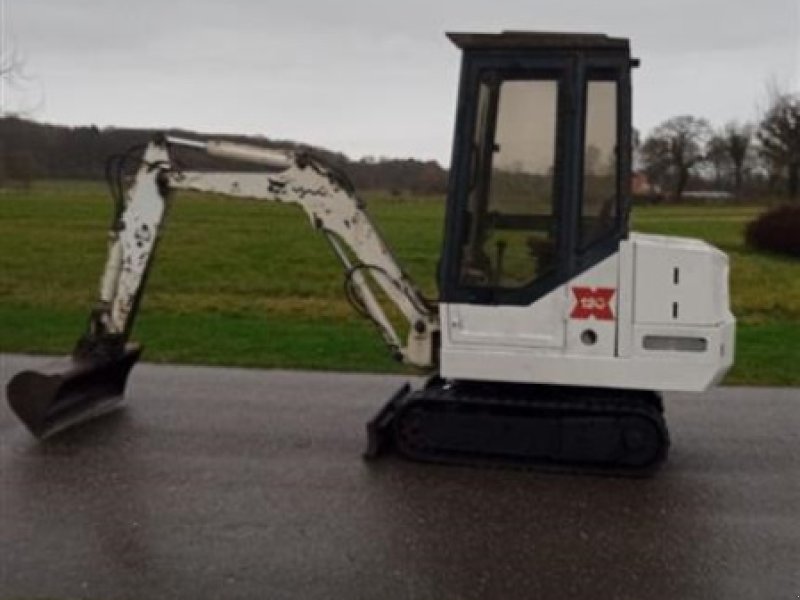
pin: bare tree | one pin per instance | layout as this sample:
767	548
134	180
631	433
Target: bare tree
10	63
10	71
738	138
13	76
779	135
16	164
718	157
674	149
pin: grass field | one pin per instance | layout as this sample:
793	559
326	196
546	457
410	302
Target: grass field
240	283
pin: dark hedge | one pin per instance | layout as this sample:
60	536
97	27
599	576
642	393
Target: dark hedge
777	230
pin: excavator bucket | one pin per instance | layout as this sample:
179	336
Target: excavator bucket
70	391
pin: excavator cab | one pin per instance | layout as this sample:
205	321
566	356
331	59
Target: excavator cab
541	164
559	328
541	281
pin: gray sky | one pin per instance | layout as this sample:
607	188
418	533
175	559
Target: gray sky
367	77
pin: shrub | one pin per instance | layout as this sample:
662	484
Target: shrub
777	230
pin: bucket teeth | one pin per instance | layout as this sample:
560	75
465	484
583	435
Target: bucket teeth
70	391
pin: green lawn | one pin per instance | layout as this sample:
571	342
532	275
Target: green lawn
241	283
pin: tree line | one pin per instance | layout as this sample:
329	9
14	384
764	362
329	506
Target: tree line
742	159
30	150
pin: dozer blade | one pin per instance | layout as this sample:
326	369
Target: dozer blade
71	391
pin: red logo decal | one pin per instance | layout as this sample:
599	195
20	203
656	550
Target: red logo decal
593	302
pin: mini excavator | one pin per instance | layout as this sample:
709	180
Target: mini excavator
556	329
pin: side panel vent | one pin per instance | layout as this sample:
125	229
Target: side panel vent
674	343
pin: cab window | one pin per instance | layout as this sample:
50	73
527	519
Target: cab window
599	206
510	234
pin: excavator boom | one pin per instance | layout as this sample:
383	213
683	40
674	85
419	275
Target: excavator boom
93	379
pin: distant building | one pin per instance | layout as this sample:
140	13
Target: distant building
642	186
708	194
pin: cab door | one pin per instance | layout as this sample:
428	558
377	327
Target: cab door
510	238
538	193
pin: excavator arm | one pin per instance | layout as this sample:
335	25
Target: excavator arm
333	208
94	377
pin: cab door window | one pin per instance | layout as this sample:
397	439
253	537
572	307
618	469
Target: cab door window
510	237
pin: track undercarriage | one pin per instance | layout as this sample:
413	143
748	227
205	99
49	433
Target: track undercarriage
587	430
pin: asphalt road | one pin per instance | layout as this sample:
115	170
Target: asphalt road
227	483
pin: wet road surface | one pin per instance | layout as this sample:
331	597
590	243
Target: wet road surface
227	483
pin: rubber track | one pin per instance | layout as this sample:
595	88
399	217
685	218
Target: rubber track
555	401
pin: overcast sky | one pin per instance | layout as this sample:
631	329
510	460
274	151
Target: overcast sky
367	77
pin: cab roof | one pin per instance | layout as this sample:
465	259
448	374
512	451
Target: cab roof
538	40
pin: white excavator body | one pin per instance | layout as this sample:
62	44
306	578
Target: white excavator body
654	315
555	329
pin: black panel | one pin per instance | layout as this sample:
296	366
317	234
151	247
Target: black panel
528	40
